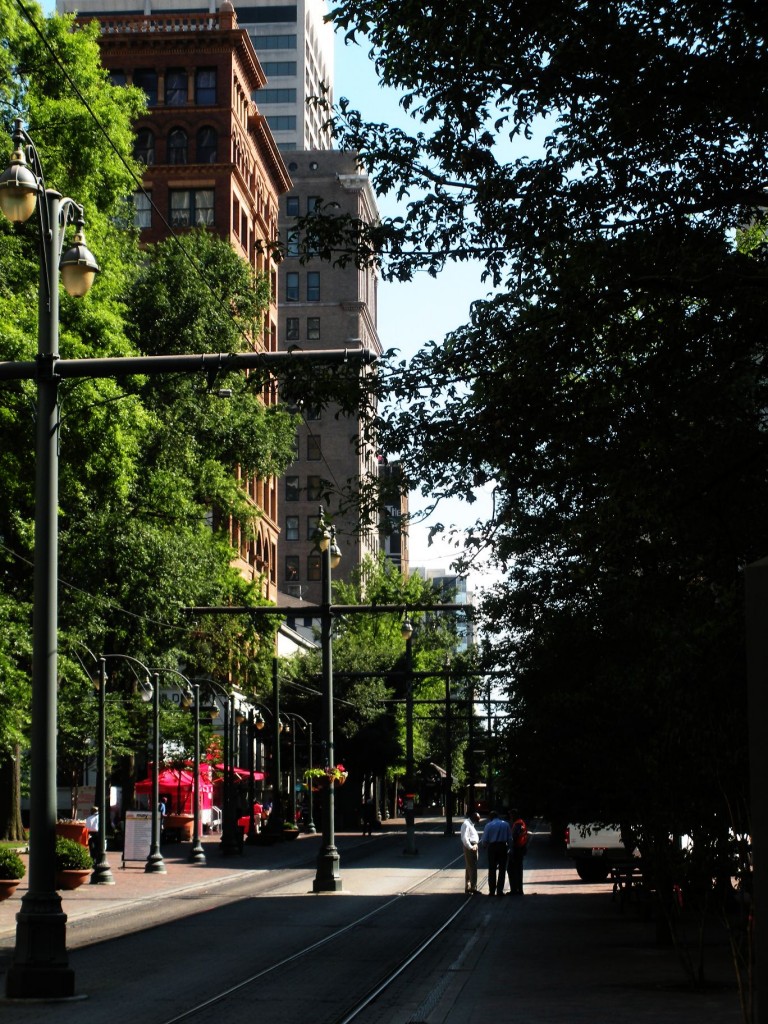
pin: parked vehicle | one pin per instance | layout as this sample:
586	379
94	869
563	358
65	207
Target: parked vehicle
594	849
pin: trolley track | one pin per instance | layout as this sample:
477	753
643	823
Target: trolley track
345	999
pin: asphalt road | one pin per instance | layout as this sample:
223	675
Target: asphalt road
564	952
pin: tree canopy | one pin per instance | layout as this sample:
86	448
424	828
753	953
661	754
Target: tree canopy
598	161
147	484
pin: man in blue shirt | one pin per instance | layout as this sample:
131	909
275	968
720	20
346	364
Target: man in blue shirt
496	838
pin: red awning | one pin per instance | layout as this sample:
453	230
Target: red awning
241	773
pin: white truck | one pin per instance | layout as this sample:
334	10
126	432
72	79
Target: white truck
594	849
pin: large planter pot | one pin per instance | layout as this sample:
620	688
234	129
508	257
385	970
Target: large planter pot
8	887
183	824
290	833
73	830
72	878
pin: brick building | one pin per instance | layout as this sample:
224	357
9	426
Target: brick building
210	161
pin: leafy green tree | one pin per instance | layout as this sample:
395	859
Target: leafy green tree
612	385
370	677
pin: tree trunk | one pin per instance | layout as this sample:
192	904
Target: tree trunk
11	827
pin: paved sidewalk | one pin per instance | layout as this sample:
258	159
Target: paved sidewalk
133	885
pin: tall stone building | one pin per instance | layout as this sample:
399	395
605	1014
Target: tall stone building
210	161
323	306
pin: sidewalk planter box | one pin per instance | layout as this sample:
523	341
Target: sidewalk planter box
181	824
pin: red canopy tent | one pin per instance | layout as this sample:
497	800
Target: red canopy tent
178	785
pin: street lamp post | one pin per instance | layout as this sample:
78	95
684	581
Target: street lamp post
197	853
155	865
409	811
102	873
307	726
40	966
275	820
229	844
327	878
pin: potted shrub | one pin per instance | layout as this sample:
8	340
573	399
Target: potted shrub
73	863
290	831
12	870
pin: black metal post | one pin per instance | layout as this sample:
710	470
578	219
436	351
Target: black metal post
409	811
275	820
197	853
310	764
155	864
327	878
253	836
229	844
448	753
40	965
102	873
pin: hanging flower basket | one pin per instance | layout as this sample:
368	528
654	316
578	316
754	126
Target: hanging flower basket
336	775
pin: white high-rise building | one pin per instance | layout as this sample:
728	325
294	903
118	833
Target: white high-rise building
295	48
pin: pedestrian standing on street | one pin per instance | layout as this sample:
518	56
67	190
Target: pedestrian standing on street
470	841
518	847
496	838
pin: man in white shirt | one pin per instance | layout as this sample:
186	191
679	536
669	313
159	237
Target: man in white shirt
470	841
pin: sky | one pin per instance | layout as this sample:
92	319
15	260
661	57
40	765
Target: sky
410	314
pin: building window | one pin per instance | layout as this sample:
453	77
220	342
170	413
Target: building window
118	78
144	146
276	96
284	42
177	146
312	525
292	242
291	568
314	448
314	488
206	146
176	87
282	122
313	286
292	287
292	206
146	79
292	328
314	568
313	203
205	87
313	328
279	68
291	488
191	207
291	527
312	412
142	217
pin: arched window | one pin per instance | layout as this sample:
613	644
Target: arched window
144	146
207	146
177	146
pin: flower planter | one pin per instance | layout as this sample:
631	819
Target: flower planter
72	878
290	833
8	887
